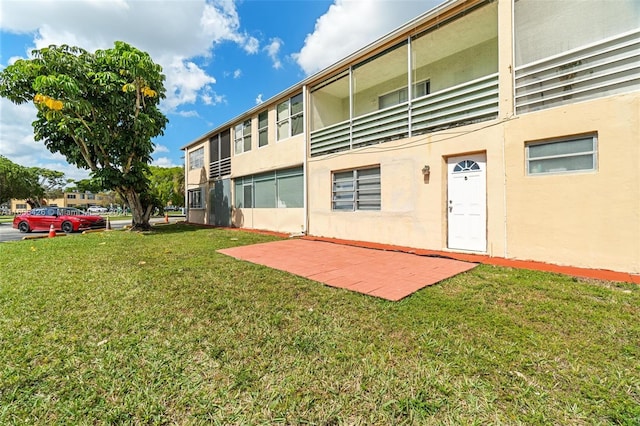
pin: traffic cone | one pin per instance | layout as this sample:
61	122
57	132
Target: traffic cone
166	218
52	231
108	226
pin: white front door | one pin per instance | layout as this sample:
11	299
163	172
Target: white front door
467	202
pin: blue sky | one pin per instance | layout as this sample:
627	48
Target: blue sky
220	58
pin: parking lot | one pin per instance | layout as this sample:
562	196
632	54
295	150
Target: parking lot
7	233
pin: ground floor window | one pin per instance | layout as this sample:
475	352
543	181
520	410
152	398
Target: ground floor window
276	189
562	155
195	198
357	189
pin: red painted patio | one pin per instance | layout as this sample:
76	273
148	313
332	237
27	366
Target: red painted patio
390	275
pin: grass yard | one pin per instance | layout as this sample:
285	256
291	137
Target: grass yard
158	328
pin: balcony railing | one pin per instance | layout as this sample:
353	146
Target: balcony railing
466	103
220	168
380	126
602	69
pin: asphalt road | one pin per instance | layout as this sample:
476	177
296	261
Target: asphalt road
7	233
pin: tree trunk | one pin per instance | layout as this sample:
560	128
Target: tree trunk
140	212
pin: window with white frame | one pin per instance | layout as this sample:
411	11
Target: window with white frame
242	137
289	116
357	189
196	159
263	128
195	198
565	155
399	96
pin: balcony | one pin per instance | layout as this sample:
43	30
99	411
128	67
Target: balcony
601	69
441	77
460	105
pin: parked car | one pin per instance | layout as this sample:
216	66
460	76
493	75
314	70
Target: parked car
97	209
65	219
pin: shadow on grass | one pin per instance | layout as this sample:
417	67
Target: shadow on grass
174	228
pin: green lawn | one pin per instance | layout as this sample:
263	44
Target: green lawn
159	328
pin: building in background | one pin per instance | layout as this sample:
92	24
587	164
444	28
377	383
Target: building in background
79	200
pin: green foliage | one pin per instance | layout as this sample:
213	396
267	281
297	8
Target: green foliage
18	182
52	182
99	110
168	184
90	185
174	332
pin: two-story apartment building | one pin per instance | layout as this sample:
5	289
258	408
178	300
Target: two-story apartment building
509	128
77	199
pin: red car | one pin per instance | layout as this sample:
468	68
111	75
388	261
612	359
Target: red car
64	219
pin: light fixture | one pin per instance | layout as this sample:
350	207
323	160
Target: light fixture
426	170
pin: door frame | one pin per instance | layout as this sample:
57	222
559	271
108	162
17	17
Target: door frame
479	157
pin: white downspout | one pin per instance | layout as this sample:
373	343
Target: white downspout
305	163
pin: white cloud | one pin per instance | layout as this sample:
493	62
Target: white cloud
350	25
220	22
185	80
237	73
164	162
160	148
178	35
273	49
187	114
259	99
172	32
18	145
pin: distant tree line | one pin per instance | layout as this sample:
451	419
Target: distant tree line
35	184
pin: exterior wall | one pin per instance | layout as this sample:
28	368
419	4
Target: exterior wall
584	219
588	219
275	155
198	178
281	154
413	208
289	220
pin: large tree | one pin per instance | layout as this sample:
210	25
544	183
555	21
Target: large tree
99	110
17	181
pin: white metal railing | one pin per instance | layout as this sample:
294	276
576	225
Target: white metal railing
609	67
331	139
380	126
465	103
220	168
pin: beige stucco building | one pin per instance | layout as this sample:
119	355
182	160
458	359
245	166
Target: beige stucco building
509	128
77	199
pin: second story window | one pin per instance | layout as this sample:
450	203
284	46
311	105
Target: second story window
263	129
400	96
290	117
196	159
242	137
